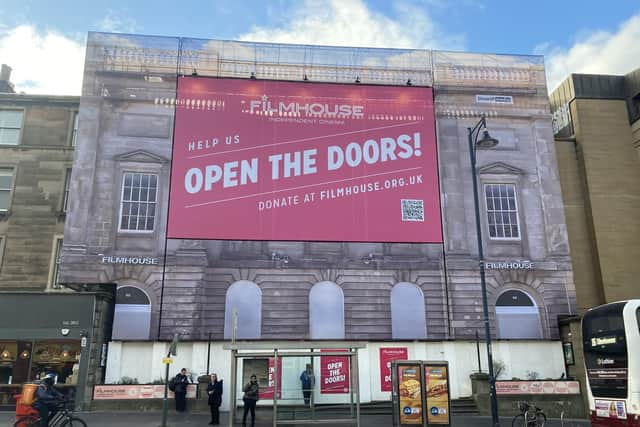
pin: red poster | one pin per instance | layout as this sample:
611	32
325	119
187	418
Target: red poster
271	160
267	392
388	354
334	373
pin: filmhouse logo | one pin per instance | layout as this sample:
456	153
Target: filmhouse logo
295	109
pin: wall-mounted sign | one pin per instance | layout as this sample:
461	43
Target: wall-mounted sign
126	392
494	99
334	373
269	160
508	265
387	355
537	387
135	260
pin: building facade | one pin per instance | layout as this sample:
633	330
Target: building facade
44	327
596	126
423	297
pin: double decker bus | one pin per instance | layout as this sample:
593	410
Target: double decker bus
611	344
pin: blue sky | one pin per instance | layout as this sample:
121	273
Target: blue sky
574	36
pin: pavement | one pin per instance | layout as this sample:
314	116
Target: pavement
154	419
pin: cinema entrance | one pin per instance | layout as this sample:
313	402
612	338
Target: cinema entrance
310	383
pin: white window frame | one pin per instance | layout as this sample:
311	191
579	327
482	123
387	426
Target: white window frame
21	110
74	129
54	262
488	211
10	189
122	201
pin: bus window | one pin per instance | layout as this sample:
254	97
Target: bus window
605	351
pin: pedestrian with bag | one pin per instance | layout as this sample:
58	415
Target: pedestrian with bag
251	395
180	382
214	390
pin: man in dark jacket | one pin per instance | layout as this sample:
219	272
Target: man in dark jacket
308	381
251	393
214	390
47	400
181	381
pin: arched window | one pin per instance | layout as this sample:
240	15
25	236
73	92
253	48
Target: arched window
517	316
408	320
246	298
326	311
132	316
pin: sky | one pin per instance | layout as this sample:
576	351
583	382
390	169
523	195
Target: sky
43	40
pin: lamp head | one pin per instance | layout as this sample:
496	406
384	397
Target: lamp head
486	141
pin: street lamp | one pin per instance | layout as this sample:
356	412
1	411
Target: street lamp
485	142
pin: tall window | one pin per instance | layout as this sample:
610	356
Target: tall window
10	126
138	204
408	319
54	269
6	181
243	310
65	194
502	211
517	316
326	311
74	130
132	315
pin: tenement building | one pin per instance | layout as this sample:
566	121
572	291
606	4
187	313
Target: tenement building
250	195
44	327
596	121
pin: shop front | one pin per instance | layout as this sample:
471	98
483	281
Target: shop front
44	334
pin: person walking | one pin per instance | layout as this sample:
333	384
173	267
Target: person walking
181	381
251	395
214	390
308	382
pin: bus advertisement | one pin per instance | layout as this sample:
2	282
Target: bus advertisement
611	343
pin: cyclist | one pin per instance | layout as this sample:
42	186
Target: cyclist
47	398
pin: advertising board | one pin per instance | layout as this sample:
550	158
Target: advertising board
271	160
436	377
334	373
410	392
387	355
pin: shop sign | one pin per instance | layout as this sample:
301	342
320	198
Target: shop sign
494	99
537	387
387	355
508	265
134	260
136	391
334	373
303	161
615	409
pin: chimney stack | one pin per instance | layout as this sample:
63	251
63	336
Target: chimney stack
5	80
5	73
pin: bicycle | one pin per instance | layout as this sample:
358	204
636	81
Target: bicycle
63	418
529	416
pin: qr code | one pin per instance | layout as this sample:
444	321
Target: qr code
412	210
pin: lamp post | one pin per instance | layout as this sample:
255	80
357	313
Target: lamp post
485	142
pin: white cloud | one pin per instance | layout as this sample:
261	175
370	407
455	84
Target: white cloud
600	52
115	22
352	23
43	63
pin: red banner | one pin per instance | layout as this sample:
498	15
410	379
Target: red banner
334	373
267	392
270	160
388	354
